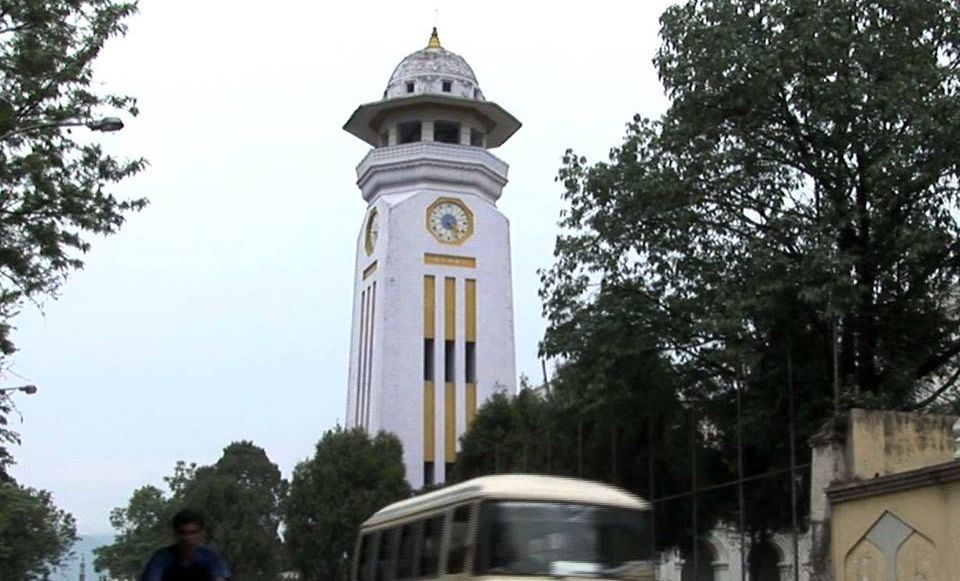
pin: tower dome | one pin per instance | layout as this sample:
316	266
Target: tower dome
434	70
426	82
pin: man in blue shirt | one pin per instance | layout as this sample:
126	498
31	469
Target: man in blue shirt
187	559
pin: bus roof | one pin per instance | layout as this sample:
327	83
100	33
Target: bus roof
511	487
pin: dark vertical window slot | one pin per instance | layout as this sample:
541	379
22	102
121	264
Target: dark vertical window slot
409	87
428	360
449	368
470	364
428	473
447	86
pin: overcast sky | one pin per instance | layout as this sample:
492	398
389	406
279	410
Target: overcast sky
222	311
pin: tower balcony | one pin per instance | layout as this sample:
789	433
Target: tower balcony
427	164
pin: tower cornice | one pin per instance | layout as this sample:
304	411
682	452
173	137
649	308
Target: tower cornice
430	164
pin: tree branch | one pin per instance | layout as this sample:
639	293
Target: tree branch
935	361
936	394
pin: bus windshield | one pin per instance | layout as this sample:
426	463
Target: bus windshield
544	538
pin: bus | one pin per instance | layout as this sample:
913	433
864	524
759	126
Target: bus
511	525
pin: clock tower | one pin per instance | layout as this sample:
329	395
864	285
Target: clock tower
432	335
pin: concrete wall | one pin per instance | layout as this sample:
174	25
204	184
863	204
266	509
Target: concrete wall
882	442
885	493
910	534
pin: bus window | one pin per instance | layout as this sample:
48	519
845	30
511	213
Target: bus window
365	557
406	557
529	538
459	543
384	567
430	547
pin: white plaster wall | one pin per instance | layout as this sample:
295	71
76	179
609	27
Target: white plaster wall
725	564
397	370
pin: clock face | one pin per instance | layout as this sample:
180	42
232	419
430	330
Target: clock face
371	231
450	221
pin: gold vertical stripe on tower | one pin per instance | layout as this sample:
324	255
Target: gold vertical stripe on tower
429	306
366	359
361	359
450	423
371	320
450	395
450	308
429	422
429	397
471	403
471	307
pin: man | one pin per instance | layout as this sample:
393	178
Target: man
187	559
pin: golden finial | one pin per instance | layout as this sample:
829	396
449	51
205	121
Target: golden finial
434	39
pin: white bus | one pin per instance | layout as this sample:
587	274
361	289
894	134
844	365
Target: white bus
509	525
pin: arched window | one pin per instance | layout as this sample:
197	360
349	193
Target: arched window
702	569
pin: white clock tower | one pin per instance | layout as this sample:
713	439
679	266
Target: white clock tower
433	308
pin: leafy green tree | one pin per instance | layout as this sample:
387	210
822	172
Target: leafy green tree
7	437
580	429
349	477
54	186
142	528
35	536
240	496
790	220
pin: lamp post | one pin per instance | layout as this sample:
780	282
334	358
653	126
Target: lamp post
104	124
27	389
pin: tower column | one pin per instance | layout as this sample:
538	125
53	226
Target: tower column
433	312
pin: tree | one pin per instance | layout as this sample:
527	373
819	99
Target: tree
790	220
7	436
54	188
142	527
35	536
585	429
350	476
241	496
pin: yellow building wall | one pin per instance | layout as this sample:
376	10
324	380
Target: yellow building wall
883	442
931	552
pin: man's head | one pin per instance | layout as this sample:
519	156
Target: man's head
188	527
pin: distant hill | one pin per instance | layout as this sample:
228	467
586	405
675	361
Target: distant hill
84	546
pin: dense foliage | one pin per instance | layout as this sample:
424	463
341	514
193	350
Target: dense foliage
786	231
240	497
53	187
54	195
35	536
350	476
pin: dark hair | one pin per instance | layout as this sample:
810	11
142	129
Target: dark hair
187	517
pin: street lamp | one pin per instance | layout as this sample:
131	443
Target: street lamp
27	389
104	124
